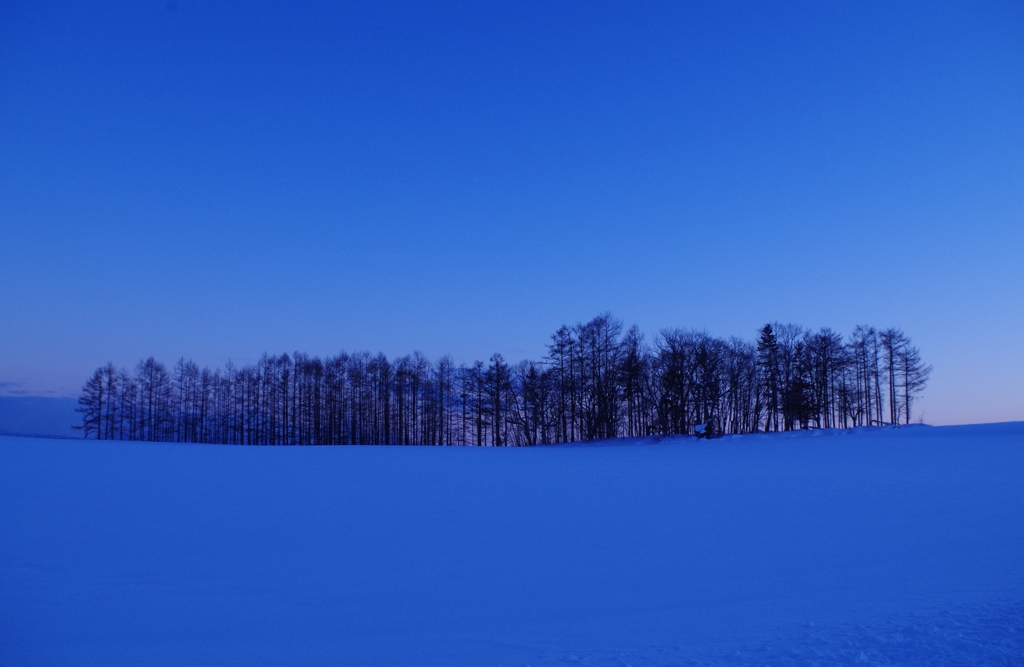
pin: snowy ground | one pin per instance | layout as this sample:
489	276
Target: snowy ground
881	547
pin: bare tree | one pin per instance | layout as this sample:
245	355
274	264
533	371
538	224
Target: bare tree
593	383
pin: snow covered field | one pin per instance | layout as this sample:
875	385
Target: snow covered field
886	546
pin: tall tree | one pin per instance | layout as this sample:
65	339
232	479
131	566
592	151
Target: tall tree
91	403
914	375
154	400
768	363
499	384
892	341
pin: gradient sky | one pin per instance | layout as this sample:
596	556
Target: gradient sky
219	180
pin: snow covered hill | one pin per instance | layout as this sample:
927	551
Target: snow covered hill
885	546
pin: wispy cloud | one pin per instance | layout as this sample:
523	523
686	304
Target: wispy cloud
12	389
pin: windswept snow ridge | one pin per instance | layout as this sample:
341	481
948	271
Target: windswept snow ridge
869	547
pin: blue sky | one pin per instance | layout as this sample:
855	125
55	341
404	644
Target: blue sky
219	181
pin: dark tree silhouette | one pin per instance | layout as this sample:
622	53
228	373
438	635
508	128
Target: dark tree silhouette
595	382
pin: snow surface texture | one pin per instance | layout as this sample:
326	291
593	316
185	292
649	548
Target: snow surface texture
869	547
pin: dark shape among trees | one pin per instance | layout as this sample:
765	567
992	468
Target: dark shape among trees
595	382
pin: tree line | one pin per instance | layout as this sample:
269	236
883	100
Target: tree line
596	381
